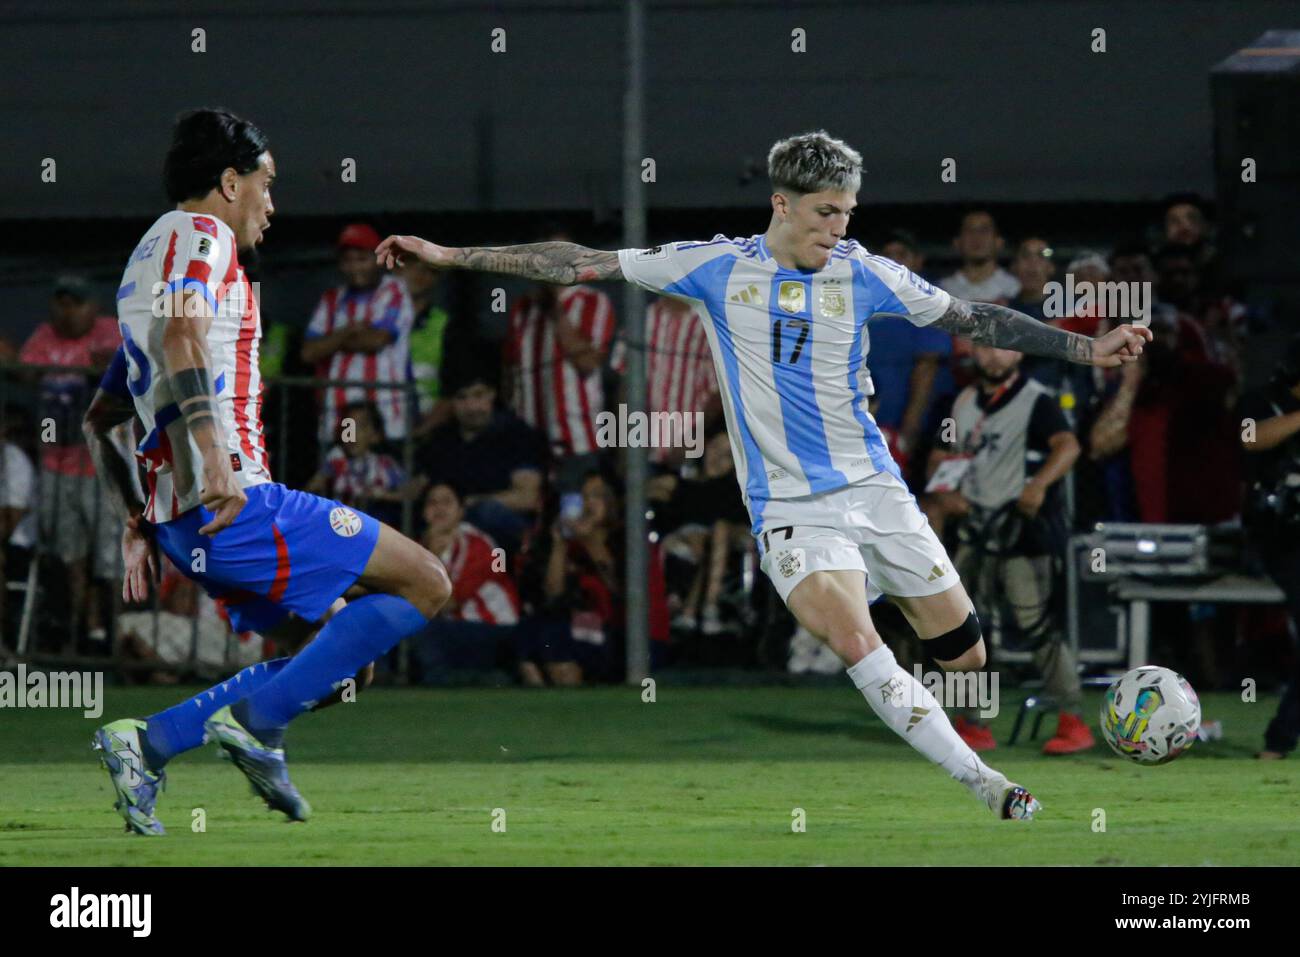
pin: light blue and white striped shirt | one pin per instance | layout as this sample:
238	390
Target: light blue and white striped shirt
789	346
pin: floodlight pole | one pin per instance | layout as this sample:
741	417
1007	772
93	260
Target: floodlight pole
636	578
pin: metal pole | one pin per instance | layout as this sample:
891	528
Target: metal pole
634	237
408	508
1072	592
282	440
411	398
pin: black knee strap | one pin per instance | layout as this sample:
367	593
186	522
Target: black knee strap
954	644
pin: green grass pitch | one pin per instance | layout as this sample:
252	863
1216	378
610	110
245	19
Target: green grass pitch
596	776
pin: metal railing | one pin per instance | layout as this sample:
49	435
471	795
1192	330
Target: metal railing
42	621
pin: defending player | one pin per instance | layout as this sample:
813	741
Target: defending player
786	314
190	328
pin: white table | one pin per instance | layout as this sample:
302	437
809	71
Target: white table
1226	589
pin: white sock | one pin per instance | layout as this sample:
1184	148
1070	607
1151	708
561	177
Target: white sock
909	708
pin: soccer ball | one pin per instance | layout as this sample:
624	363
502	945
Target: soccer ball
1150	715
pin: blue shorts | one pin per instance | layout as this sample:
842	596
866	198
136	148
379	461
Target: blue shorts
287	551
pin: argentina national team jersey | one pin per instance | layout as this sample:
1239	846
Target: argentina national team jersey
790	347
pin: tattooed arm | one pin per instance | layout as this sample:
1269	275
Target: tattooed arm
564	264
990	324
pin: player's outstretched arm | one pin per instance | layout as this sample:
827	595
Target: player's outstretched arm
990	324
564	264
189	371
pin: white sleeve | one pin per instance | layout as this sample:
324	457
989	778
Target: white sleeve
654	269
668	268
922	303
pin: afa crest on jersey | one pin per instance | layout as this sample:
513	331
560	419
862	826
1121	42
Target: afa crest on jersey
831	303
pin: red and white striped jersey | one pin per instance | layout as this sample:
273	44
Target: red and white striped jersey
191	251
386	306
480	591
550	394
679	367
352	480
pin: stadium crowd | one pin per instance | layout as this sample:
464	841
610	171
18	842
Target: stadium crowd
492	453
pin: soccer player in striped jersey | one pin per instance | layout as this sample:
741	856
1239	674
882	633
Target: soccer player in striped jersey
786	313
190	326
361	331
555	345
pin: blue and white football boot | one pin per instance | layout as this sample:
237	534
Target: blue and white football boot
264	767
120	754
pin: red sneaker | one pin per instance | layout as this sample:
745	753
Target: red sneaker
978	736
1072	735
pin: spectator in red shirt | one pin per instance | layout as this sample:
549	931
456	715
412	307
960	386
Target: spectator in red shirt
557	344
481	588
1174	414
75	520
361	331
1222	320
475	630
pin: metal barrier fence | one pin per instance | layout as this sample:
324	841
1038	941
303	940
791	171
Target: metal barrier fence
60	569
60	563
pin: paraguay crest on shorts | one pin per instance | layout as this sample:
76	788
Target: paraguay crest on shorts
345	522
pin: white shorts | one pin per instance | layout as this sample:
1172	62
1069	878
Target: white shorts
873	525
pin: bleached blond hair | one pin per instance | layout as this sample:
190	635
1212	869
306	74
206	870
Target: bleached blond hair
813	163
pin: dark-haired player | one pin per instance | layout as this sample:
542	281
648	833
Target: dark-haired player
785	314
190	327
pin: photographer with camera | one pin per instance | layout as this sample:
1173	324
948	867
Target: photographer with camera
1270	435
996	471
